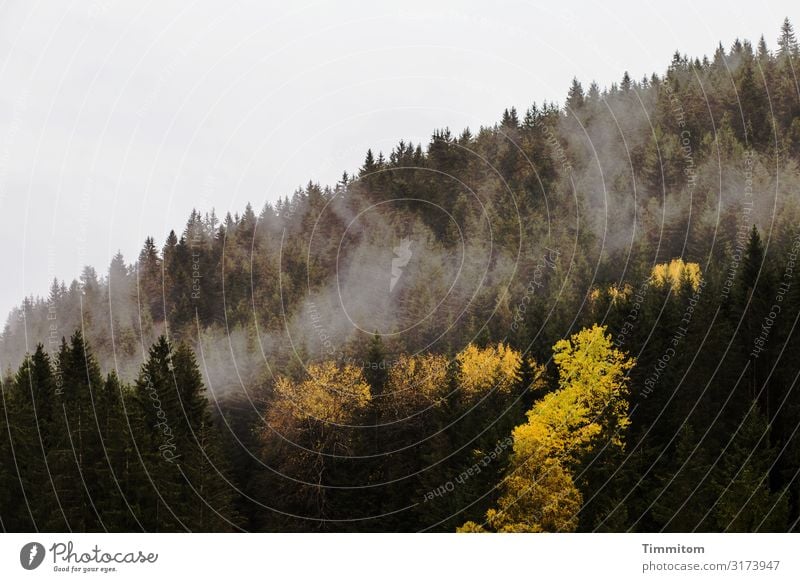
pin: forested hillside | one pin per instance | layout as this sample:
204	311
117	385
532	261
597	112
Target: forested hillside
583	317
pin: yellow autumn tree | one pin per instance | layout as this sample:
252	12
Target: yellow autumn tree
414	383
310	416
331	393
614	293
481	370
311	425
588	409
673	273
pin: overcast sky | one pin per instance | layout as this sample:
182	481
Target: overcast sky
118	117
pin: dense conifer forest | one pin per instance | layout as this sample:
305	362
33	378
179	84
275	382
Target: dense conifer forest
581	318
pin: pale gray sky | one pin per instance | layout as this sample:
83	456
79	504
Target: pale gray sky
116	118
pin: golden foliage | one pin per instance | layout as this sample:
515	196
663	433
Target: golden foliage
614	292
331	393
301	427
492	368
674	273
620	292
589	407
414	383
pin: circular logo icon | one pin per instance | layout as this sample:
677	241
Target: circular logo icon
31	555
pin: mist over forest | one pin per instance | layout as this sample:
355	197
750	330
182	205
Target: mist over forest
580	318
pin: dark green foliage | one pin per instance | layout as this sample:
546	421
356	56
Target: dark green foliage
80	453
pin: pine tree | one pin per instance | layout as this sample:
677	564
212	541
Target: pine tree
157	440
114	466
763	51
753	294
149	281
787	42
202	463
682	492
76	447
510	119
34	394
626	82
27	435
180	447
575	97
369	165
754	108
743	500
9	498
375	370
